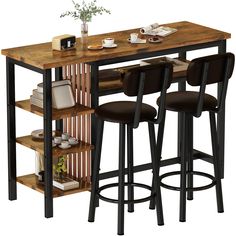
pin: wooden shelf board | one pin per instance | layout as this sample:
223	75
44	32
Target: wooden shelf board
57	114
31	182
56	151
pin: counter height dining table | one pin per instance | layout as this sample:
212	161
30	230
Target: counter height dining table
81	66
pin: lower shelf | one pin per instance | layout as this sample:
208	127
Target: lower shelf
31	182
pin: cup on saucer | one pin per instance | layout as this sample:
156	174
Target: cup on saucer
73	140
133	37
108	42
65	144
65	136
57	139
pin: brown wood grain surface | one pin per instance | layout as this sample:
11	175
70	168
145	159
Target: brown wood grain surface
57	114
42	56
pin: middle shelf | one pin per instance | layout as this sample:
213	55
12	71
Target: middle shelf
56	151
57	114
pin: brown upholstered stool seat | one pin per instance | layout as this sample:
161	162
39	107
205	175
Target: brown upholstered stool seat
187	102
123	112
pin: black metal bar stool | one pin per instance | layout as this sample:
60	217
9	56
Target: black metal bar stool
201	71
137	82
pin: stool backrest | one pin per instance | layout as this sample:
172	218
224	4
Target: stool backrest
142	80
217	69
209	70
154	78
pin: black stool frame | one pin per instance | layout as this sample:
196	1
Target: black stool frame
155	155
187	146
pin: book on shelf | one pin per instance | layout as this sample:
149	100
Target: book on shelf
178	65
65	183
37	94
157	30
62	95
36	102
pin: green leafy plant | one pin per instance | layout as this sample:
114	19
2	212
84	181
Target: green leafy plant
85	11
60	168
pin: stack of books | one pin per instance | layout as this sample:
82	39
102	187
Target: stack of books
62	95
65	183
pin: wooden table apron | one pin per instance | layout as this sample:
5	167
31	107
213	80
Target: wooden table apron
11	61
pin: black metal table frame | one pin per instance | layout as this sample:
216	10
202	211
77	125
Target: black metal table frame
47	101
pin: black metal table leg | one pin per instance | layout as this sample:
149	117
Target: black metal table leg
94	104
47	109
221	120
95	178
58	76
11	129
181	87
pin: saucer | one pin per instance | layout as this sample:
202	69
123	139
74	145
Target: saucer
54	144
64	147
74	143
155	40
137	41
95	47
114	45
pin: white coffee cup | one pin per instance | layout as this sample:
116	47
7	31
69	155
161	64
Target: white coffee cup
64	144
108	42
133	37
65	136
57	140
72	140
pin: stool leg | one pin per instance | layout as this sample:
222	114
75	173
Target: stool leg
215	148
95	173
121	186
182	213
159	150
190	155
155	154
130	167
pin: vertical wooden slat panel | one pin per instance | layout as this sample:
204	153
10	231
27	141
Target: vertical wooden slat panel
79	164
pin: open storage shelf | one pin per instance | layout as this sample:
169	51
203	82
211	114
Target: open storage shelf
56	151
31	182
57	114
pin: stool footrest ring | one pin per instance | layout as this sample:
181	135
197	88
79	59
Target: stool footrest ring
126	201
204	187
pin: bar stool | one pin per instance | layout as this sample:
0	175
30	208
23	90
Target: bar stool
201	71
137	82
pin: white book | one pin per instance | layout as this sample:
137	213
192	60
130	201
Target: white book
62	97
37	95
65	183
36	102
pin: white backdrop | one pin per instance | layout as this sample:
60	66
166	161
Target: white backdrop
28	22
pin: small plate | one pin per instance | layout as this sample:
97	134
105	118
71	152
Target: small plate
69	146
114	45
155	40
138	41
75	143
95	47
